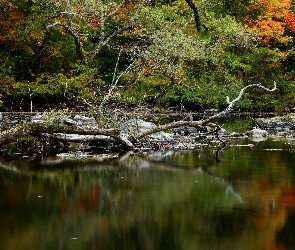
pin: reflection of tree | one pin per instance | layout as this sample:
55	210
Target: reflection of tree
206	161
146	201
286	235
112	211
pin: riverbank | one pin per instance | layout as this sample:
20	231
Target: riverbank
11	119
122	131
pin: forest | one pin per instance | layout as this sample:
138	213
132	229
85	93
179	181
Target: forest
183	54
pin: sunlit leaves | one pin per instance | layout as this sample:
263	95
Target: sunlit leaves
290	21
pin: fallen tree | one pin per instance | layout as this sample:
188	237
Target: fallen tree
61	132
201	123
66	133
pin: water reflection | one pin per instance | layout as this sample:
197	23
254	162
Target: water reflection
176	200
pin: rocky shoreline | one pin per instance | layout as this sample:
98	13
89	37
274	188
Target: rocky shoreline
183	137
279	126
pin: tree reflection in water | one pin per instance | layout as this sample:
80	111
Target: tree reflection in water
171	200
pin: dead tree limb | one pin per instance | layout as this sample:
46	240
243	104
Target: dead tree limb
205	121
78	138
56	131
37	129
233	102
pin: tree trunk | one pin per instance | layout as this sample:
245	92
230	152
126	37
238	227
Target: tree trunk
196	15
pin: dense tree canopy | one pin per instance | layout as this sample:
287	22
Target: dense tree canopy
170	52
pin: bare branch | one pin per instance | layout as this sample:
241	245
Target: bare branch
114	82
115	10
134	78
184	26
102	21
70	29
138	10
206	121
232	103
105	40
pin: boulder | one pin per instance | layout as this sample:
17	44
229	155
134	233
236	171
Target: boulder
133	126
257	134
187	130
161	137
276	123
78	120
84	121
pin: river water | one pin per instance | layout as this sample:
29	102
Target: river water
242	198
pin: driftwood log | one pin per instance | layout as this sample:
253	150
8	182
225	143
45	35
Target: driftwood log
66	133
62	132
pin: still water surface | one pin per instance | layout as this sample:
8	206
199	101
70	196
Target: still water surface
245	199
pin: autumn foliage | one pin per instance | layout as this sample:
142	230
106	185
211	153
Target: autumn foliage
45	45
94	22
271	19
290	21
